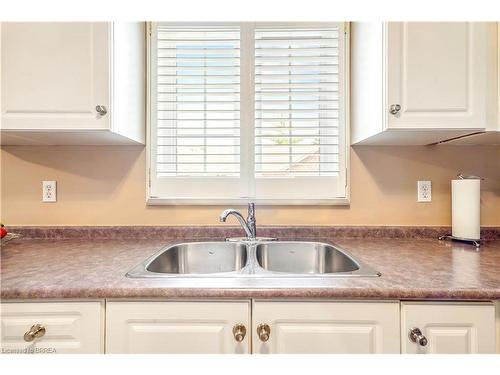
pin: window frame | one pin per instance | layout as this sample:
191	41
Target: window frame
239	190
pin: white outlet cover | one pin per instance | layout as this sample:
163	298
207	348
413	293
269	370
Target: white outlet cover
49	191
424	191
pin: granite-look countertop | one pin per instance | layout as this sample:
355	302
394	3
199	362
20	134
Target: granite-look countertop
411	268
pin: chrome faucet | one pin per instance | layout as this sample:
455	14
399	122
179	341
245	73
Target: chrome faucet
249	225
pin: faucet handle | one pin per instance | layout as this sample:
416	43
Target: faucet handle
251	221
251	209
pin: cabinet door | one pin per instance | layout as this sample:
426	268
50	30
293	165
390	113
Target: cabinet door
449	328
70	327
497	309
176	327
441	74
54	75
326	327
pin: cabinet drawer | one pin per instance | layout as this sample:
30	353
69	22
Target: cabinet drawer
193	327
449	328
70	327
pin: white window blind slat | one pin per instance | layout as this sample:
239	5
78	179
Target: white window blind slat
296	102
198	102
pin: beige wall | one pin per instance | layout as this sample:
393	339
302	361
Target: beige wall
106	186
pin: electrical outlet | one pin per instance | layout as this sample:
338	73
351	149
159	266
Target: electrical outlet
424	191
49	191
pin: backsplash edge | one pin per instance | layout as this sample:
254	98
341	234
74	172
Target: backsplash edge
221	232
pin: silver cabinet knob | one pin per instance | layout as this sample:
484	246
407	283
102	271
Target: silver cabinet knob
239	332
36	331
394	109
417	336
101	109
263	331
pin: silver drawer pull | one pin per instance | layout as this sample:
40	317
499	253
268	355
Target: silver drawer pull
263	331
239	332
36	331
417	337
394	109
101	109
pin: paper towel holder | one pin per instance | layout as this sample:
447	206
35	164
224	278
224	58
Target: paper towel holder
476	243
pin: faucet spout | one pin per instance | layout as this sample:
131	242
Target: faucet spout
248	225
224	215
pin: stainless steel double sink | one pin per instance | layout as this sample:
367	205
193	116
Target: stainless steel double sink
268	259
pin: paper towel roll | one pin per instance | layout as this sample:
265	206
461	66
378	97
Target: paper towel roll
465	208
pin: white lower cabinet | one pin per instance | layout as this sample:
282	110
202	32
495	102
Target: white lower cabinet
52	327
323	327
497	309
448	328
246	326
177	327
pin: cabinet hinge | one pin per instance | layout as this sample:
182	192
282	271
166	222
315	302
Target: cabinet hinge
149	178
150	28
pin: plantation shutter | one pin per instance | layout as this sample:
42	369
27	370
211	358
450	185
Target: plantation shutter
296	102
198	101
247	112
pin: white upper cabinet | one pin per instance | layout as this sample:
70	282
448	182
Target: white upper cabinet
491	136
72	83
438	75
419	83
54	75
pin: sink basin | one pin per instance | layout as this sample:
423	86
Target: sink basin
199	258
304	258
256	264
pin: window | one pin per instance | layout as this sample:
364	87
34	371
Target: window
248	111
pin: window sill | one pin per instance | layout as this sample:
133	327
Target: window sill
243	201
